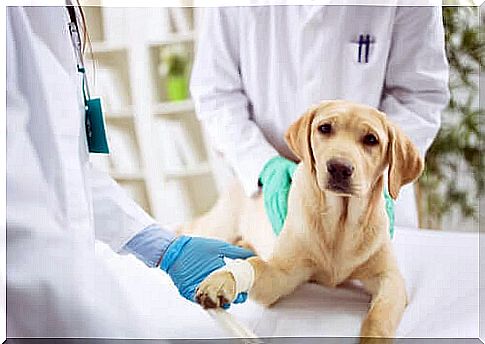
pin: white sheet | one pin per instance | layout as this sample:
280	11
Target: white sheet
440	269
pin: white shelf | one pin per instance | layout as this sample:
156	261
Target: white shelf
173	107
172	38
116	115
106	47
132	176
190	171
135	57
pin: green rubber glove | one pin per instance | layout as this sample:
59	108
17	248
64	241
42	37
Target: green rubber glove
275	178
390	211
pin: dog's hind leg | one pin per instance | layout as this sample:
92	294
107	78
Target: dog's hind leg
222	221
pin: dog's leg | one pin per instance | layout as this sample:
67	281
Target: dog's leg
381	277
278	277
388	304
272	280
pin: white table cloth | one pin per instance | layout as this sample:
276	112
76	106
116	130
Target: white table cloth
440	269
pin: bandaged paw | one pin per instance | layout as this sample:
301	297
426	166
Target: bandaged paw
242	271
222	287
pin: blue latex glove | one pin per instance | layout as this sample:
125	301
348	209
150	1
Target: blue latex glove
189	260
275	179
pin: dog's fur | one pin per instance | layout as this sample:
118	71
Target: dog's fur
331	234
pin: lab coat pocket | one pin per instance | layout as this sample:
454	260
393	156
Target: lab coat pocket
363	72
362	55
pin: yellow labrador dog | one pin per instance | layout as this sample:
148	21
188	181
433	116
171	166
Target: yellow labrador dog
336	228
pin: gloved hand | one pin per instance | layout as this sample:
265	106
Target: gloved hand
275	179
189	260
389	211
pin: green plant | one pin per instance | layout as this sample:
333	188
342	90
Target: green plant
174	61
177	65
459	142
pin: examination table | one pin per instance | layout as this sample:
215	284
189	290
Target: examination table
440	268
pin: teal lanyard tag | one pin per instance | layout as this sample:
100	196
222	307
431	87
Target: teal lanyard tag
93	120
95	131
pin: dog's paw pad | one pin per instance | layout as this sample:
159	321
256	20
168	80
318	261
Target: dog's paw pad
205	301
216	290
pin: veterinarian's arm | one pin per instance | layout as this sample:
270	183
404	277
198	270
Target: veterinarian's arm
416	85
187	260
220	101
117	218
122	224
150	244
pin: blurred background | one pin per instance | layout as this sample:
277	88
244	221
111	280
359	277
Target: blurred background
140	63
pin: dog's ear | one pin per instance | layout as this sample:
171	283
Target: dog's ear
298	135
405	163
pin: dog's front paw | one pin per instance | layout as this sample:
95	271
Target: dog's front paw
218	289
375	332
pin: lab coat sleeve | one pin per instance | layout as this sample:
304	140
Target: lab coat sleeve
117	218
220	101
416	83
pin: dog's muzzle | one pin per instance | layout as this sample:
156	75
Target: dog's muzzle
339	175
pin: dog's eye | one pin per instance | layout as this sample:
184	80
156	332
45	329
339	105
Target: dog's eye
325	128
370	140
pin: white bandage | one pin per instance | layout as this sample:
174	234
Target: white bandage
242	271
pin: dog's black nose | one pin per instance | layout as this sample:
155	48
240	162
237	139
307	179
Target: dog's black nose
340	169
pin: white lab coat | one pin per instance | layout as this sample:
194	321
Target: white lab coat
258	69
57	205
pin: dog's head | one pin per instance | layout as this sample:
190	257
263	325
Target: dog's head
347	147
